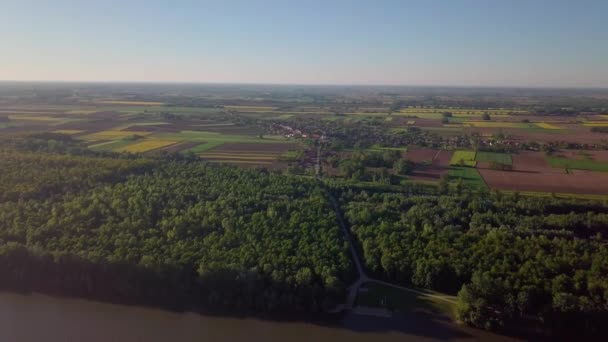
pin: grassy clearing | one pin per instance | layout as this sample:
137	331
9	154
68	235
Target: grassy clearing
577	164
469	176
493	157
291	155
463	158
391	298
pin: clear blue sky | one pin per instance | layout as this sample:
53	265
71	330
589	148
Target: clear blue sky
451	42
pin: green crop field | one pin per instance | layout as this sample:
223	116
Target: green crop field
469	176
463	158
493	157
578	164
205	146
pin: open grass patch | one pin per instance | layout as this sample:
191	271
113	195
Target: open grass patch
382	296
493	157
470	176
206	146
577	164
463	158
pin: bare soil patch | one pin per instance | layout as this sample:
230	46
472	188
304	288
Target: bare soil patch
420	155
439	166
531	172
576	182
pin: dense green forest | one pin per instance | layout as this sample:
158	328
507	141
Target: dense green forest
168	232
511	259
173	231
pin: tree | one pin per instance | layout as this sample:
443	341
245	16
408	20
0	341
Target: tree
485	116
404	166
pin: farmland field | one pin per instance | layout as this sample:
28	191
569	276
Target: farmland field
580	164
492	157
464	158
112	135
250	154
146	145
470	177
222	196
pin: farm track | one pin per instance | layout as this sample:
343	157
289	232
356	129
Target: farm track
363	278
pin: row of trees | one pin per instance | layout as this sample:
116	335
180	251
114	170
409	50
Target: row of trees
511	259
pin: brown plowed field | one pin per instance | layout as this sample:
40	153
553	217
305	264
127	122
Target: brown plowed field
433	172
532	173
420	155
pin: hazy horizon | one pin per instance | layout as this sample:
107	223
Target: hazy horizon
519	44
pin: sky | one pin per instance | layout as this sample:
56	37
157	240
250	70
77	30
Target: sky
531	43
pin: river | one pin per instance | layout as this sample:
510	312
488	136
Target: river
38	317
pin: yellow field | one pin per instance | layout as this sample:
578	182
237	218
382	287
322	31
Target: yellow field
546	125
132	103
596	124
146	145
112	135
68	131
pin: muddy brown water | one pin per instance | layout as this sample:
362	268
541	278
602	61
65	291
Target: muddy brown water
42	318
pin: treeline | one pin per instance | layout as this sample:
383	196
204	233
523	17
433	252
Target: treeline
174	233
513	261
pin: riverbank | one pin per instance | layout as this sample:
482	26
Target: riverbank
40	317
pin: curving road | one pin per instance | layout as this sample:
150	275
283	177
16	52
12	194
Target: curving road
363	277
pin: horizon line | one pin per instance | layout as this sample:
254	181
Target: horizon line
308	84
